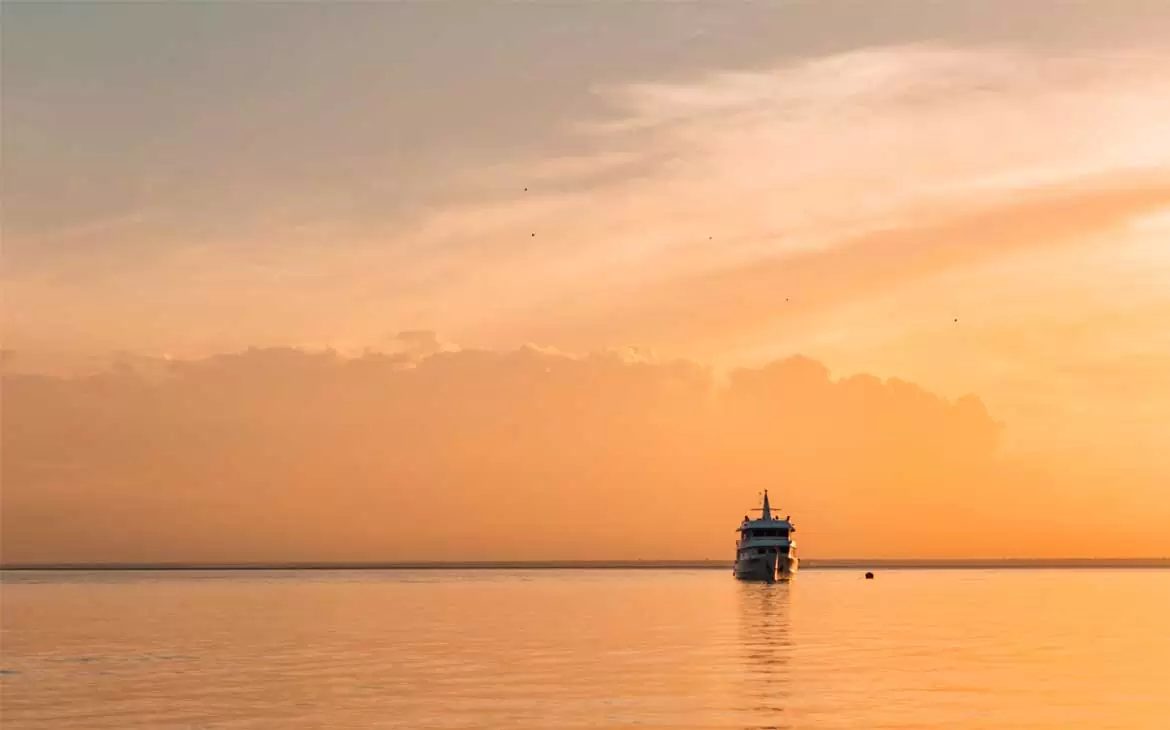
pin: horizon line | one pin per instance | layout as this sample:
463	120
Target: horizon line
809	563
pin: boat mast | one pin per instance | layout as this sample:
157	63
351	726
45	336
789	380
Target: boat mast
767	511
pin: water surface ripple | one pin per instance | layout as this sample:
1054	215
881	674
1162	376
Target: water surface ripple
582	649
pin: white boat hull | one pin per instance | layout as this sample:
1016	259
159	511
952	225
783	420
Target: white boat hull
770	567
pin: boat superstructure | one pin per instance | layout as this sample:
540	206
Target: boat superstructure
766	548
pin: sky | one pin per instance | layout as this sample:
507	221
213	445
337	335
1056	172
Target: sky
854	208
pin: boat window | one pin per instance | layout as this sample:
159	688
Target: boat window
766	533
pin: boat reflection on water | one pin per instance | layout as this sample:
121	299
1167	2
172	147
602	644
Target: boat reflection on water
766	646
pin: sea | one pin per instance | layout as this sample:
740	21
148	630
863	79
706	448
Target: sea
576	648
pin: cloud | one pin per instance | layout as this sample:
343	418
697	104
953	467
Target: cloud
673	181
281	454
724	309
850	206
728	174
414	344
836	155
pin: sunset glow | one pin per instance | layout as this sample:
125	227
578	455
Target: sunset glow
286	282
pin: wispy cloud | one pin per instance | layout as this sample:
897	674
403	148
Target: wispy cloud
824	154
844	205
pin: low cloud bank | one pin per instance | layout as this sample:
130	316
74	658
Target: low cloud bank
432	453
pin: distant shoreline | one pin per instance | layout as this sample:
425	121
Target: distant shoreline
806	564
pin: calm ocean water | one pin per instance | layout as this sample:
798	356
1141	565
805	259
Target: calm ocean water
586	649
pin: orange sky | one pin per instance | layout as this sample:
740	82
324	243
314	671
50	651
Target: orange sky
969	208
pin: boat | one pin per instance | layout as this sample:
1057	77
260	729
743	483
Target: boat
766	548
